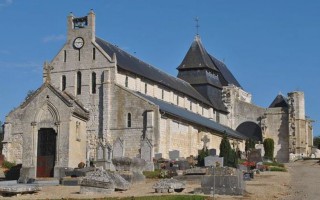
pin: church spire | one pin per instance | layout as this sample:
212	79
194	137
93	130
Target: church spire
197	58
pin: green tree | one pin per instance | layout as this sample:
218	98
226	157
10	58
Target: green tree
268	145
202	154
316	141
250	144
229	155
225	147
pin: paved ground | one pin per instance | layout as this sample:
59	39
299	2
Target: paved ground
305	180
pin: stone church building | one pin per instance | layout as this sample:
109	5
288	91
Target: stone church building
98	102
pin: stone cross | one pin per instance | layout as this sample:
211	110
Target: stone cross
205	140
48	69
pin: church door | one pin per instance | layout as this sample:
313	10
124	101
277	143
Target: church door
46	152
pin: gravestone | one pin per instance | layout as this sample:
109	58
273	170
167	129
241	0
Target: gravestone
196	171
169	186
100	152
158	156
213	161
223	182
146	150
243	168
183	164
174	155
118	148
18	189
260	146
101	181
255	155
212	152
104	155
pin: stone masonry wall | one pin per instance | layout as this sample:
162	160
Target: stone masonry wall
124	102
277	128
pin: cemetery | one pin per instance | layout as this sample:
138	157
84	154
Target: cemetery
203	174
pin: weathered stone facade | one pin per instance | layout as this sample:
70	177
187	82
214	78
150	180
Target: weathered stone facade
99	103
276	122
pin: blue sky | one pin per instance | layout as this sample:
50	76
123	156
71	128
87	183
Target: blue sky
270	46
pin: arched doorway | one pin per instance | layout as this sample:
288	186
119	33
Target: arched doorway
251	130
46	152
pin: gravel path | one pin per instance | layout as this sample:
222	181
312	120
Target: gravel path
301	182
305	180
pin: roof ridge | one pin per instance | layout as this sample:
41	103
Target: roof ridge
196	95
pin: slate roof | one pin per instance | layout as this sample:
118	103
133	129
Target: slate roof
197	58
214	95
184	114
279	101
225	76
130	63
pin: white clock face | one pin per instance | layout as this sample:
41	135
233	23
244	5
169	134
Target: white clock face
78	43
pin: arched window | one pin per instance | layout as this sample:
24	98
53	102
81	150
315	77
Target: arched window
93	83
126	81
129	120
78	82
162	94
63	82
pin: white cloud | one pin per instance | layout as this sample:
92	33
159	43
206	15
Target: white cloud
4	3
53	38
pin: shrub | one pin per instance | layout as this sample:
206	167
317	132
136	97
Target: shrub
274	164
166	173
81	165
152	174
250	144
268	145
277	169
202	154
225	148
8	165
233	159
229	155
